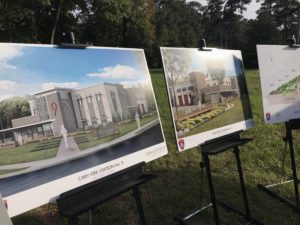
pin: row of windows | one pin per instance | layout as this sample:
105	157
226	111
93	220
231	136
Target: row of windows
191	88
94	120
45	129
184	89
139	99
89	99
215	84
41	108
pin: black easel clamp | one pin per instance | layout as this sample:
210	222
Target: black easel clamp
217	146
73	203
68	42
292	42
294	204
202	45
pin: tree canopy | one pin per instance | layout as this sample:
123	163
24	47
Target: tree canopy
149	24
13	108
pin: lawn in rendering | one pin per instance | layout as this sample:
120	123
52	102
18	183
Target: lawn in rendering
70	116
208	94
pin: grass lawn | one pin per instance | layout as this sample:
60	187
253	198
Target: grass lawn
176	190
25	153
123	129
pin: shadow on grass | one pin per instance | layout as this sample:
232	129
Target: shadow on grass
177	193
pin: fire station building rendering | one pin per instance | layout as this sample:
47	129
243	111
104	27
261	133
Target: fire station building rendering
77	110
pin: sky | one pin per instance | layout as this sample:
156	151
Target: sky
28	69
251	8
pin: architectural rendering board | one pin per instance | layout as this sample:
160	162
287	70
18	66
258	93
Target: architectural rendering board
279	69
71	116
207	92
4	218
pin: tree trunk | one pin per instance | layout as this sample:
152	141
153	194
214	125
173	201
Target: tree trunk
34	24
56	21
298	28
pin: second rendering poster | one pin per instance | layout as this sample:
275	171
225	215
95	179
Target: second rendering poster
207	92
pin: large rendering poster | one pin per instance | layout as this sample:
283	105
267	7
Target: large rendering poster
71	116
4	218
208	94
279	68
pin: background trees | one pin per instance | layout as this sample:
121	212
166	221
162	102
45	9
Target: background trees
12	108
150	24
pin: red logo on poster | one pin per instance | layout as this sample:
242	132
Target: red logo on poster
181	144
54	107
268	116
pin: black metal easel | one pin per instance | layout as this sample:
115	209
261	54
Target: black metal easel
290	126
215	147
73	203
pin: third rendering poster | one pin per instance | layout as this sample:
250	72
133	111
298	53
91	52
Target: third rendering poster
208	94
280	81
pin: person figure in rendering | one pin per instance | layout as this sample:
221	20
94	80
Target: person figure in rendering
64	134
137	118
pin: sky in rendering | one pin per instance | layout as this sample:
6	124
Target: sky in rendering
27	69
193	60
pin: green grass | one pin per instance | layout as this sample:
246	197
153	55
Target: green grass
25	153
123	129
176	190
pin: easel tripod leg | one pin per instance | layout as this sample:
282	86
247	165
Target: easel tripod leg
211	188
137	197
242	182
293	164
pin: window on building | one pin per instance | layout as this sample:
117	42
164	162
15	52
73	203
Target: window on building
40	131
89	99
103	118
48	129
84	123
29	132
190	88
114	101
98	97
80	101
184	89
178	90
41	108
94	120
